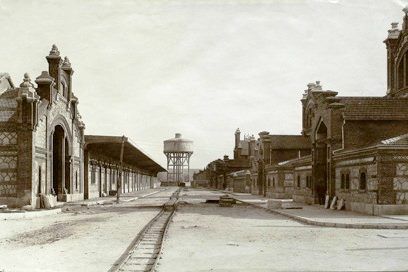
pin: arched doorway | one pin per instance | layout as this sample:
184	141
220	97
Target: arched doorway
320	168
61	184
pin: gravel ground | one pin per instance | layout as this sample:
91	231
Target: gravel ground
80	239
206	237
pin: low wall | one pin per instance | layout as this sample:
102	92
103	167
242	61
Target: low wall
277	195
376	209
73	197
307	199
12	202
94	194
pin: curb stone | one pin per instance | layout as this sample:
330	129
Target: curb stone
328	224
103	201
29	214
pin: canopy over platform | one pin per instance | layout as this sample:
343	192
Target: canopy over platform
110	147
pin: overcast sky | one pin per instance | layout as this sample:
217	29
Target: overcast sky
149	69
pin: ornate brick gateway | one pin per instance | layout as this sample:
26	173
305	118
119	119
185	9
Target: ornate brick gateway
41	136
42	143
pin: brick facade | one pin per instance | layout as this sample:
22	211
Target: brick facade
42	143
29	116
354	148
357	144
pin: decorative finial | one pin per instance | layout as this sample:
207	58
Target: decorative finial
54	51
311	86
66	62
26	82
405	10
318	86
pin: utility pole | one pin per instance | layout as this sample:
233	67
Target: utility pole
119	187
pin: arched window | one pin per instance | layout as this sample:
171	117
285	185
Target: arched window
273	182
363	181
298	182
309	118
76	180
347	183
93	174
342	183
309	182
401	74
39	180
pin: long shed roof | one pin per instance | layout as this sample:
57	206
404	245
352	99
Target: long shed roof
110	146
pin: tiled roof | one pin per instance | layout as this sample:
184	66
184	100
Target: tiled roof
304	159
399	140
8	105
289	142
5	82
375	108
5	116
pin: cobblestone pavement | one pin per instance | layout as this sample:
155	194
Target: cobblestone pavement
206	237
79	239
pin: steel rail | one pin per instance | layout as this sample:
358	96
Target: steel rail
144	251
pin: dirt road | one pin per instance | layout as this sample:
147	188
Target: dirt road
206	237
80	239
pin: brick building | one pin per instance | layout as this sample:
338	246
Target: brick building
358	144
351	148
42	143
272	150
41	136
218	171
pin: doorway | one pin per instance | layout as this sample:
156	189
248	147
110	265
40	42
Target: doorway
320	164
60	164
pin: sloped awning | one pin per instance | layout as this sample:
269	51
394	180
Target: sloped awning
110	147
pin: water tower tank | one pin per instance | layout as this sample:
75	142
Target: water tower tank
178	144
178	152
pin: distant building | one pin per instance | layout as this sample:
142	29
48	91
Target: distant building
217	172
274	149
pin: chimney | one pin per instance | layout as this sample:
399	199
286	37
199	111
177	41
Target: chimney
54	64
28	101
44	86
237	137
391	44
66	67
405	23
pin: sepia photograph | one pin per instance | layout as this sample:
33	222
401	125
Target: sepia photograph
203	135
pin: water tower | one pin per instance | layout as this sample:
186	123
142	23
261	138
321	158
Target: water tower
178	152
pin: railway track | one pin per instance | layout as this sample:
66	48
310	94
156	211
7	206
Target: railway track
144	251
